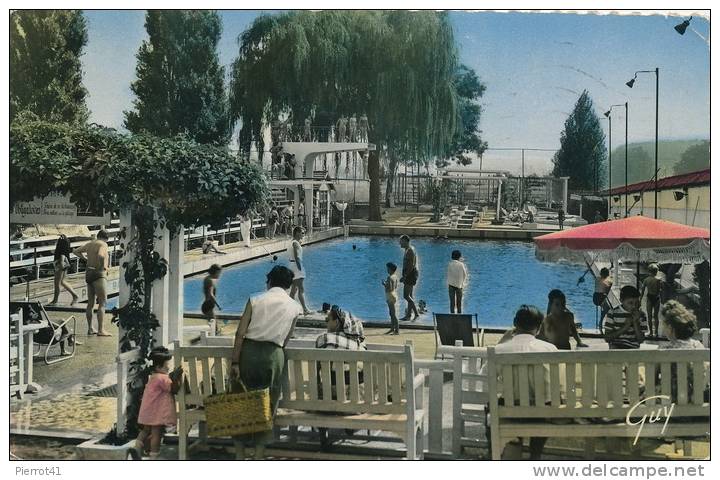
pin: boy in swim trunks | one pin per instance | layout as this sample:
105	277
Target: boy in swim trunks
391	284
210	291
95	253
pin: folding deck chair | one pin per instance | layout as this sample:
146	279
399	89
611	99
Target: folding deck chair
450	327
56	333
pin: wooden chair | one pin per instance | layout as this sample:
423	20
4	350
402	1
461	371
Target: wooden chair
453	327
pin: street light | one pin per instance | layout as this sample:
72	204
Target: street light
657	94
609	117
681	27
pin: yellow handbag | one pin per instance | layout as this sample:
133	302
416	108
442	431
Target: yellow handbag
229	414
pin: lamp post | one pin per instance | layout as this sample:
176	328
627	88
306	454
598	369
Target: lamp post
609	117
681	27
657	94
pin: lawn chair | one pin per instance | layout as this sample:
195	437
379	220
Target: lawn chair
56	333
451	327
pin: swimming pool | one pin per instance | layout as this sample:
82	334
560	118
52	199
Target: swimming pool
503	275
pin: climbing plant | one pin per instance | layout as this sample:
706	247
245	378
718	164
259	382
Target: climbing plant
163	183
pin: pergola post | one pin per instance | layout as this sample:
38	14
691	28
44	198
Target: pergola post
126	223
160	288
175	287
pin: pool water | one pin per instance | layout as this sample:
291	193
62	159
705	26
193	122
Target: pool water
503	275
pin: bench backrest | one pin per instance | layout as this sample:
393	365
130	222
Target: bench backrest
349	381
224	341
205	371
595	384
368	381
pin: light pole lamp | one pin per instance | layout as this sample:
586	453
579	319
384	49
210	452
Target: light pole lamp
657	94
681	27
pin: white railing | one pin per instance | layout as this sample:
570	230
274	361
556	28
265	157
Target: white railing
435	407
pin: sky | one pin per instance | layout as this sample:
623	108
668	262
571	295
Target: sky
534	65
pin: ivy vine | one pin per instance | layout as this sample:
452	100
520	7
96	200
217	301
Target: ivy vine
163	182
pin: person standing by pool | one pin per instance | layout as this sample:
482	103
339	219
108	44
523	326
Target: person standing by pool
410	276
561	217
210	292
652	285
258	356
61	264
559	323
246	227
297	266
603	284
391	284
273	219
457	278
95	253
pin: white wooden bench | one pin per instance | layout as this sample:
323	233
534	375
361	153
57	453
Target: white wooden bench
585	386
389	398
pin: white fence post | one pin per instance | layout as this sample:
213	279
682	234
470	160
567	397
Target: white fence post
175	288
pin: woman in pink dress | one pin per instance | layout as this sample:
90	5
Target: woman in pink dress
157	409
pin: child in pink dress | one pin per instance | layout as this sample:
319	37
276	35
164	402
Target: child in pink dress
157	409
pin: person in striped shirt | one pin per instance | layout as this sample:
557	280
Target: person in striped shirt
625	325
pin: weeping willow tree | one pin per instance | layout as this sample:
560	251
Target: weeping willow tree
396	67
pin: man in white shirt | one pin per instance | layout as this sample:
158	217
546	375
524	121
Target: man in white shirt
457	277
527	323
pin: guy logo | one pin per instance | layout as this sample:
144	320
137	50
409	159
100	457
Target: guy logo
663	411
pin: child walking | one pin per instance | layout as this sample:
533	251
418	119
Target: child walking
391	284
157	409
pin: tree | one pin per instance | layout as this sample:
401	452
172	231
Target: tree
45	68
179	87
467	139
396	67
696	157
582	150
640	165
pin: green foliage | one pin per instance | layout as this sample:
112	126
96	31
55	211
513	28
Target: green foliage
467	139
162	181
670	153
696	157
396	67
188	183
179	86
438	192
641	166
582	148
45	69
